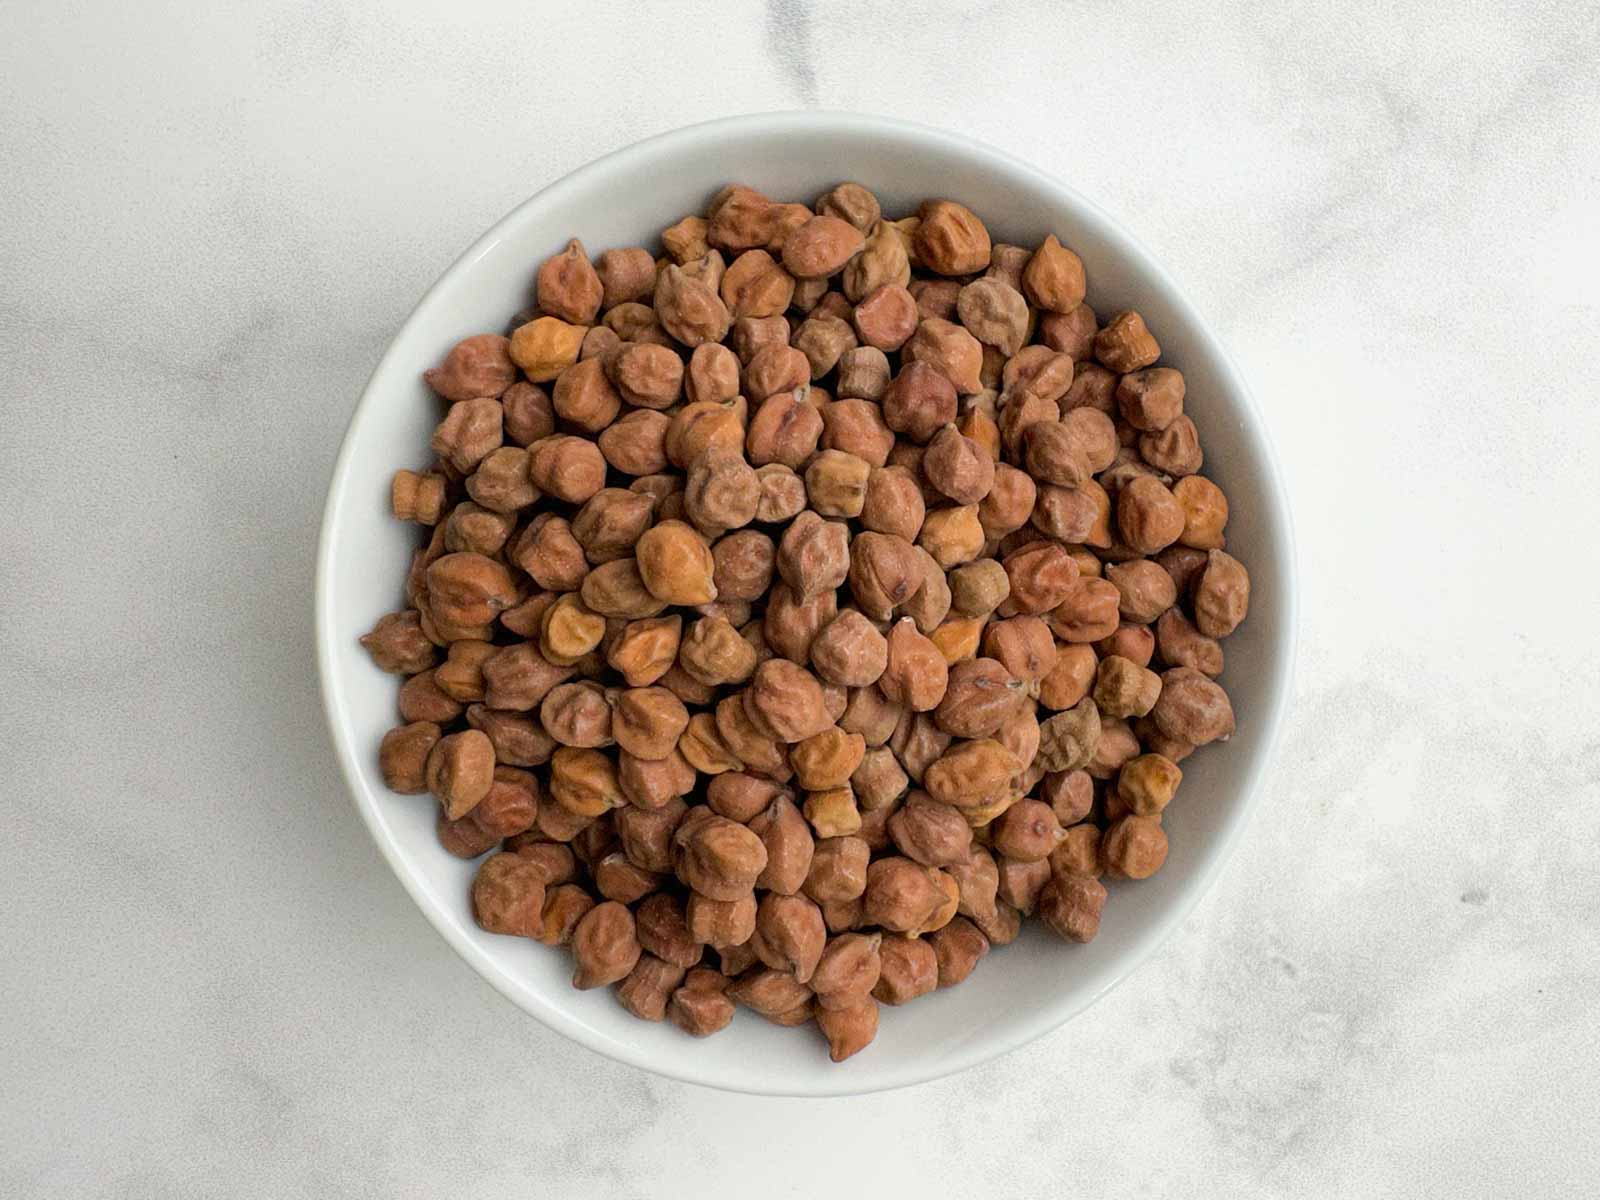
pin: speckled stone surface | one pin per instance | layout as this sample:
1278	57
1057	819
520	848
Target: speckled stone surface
214	216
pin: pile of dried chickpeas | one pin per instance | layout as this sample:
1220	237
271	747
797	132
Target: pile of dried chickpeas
804	607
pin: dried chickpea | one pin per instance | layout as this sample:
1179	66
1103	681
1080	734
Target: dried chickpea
1027	832
459	771
781	493
721	924
1125	344
1221	595
508	896
675	563
647	722
909	968
700	1007
617	589
949	349
1136	643
519	741
568	631
1054	277
789	934
403	756
1134	847
584	781
958	948
605	945
886	317
1125	689
643	650
476	366
1071	905
950	239
720	859
1192	708
790	846
915	673
1180	644
1071	333
855	427
419	498
702	746
1021	882
833	812
1117	745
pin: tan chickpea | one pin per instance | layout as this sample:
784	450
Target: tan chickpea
569	630
826	760
950	239
1021	882
647	722
1068	739
1070	678
518	740
832	812
1134	847
508	896
643	650
1180	644
958	948
1125	689
1125	344
1175	450
1146	784
838	870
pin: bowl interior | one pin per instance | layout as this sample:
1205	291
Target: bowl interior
1020	991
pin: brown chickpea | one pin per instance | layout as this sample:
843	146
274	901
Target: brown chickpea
1027	832
886	317
790	846
1221	595
1175	449
1125	689
1192	708
1071	905
838	870
893	503
909	968
605	945
919	401
459	771
915	673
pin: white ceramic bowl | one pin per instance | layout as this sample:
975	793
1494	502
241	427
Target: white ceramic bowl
626	198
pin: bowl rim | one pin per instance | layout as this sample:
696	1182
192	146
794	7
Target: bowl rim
1145	945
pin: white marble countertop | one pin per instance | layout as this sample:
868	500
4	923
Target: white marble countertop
213	218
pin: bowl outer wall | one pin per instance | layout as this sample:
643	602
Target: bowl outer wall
1021	991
